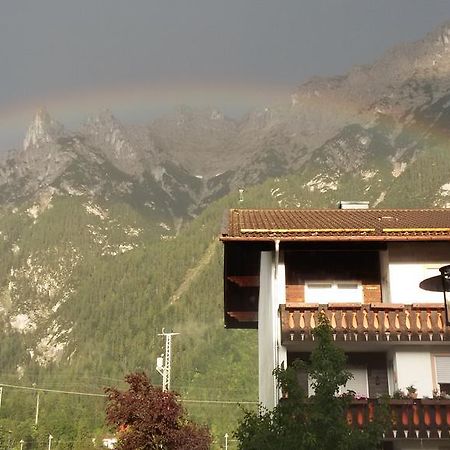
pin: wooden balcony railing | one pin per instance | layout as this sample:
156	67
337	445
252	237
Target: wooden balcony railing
377	322
409	419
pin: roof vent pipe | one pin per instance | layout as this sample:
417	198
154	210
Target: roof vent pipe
353	205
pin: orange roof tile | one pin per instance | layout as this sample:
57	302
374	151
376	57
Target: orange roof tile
337	224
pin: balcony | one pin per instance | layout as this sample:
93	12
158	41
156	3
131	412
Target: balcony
375	322
410	419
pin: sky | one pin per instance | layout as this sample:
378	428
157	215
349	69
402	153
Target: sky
142	58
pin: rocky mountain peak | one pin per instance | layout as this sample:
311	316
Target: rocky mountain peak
216	115
120	143
105	119
423	59
42	130
440	35
105	128
103	123
186	116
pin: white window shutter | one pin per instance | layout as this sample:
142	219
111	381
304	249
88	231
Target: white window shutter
443	369
358	383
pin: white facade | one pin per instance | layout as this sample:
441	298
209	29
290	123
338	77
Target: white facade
271	353
403	267
410	263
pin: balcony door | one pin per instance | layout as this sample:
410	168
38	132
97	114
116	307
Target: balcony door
359	384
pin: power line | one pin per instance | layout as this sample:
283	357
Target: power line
89	394
176	386
57	391
226	402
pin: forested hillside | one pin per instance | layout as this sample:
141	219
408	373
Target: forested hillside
84	313
87	298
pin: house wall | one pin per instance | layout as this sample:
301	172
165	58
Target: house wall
414	368
409	264
271	353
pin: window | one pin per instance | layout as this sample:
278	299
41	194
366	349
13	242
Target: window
443	373
333	292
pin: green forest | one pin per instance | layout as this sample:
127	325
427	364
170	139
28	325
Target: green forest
105	306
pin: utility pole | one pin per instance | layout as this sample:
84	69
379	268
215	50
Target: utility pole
1	395
50	437
21	444
163	363
226	441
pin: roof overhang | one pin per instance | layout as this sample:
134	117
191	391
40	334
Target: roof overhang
316	238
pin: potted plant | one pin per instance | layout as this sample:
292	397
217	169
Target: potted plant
398	394
436	394
399	397
411	391
440	397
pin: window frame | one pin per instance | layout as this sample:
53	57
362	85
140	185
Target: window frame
335	295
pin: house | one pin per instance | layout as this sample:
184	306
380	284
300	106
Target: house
362	269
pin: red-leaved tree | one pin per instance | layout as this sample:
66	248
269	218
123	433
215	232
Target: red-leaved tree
148	418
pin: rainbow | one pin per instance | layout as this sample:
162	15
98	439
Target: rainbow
142	101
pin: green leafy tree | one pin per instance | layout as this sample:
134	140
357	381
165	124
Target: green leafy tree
152	419
318	422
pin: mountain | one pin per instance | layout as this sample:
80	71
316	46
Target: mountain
183	161
108	233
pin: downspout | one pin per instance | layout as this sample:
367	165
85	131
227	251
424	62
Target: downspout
277	256
275	323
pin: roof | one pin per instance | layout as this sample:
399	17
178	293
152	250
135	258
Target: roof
337	225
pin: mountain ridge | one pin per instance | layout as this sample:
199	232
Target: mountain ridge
204	144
